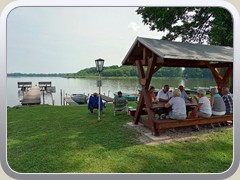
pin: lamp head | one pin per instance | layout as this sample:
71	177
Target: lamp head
99	65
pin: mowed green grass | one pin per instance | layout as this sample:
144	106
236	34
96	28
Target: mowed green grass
67	139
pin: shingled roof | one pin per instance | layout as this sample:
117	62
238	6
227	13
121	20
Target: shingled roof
179	54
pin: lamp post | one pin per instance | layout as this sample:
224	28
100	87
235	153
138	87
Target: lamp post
99	66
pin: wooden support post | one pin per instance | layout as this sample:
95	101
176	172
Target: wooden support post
145	79
221	81
227	75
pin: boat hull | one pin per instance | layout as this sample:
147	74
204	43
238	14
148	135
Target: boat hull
79	98
128	97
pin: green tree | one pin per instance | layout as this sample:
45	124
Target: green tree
211	25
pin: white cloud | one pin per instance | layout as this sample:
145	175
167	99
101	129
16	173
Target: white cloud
133	26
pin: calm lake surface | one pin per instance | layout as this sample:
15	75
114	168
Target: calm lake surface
89	86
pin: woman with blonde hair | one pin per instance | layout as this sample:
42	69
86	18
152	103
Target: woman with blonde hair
203	109
178	106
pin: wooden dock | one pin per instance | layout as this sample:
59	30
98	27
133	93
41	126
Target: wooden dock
33	96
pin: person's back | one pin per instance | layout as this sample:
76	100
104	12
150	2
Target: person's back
119	100
178	110
218	104
178	106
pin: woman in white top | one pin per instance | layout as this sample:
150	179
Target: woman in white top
203	109
178	106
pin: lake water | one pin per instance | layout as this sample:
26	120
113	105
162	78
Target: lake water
89	86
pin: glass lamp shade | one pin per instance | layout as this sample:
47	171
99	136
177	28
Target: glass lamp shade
99	64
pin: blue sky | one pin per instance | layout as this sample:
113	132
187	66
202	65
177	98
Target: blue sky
68	39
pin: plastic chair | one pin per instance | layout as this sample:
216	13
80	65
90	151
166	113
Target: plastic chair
93	103
119	104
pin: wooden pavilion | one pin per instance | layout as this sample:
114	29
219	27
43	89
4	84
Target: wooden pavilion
154	54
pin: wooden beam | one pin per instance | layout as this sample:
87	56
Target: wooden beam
159	60
222	65
144	62
139	109
221	81
218	78
157	67
145	80
141	76
141	73
227	75
150	69
144	53
225	79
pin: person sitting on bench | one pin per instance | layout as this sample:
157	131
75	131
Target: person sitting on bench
228	100
217	103
164	95
203	109
93	102
178	105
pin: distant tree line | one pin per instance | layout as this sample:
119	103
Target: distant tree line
131	71
124	71
36	74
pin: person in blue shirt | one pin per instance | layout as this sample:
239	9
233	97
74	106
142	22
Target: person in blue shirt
184	94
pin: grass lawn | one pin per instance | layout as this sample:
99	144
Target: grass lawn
67	139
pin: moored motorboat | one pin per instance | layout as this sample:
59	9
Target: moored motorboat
127	96
79	98
140	91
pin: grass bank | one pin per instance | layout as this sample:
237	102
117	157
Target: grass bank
67	139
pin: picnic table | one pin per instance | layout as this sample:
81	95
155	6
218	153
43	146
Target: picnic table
190	105
162	104
159	125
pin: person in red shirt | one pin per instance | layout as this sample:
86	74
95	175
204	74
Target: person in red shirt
152	95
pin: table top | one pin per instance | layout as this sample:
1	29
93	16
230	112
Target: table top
162	104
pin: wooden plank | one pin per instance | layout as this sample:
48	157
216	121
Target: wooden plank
165	124
227	75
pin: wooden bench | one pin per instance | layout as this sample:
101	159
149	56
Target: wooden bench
161	125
